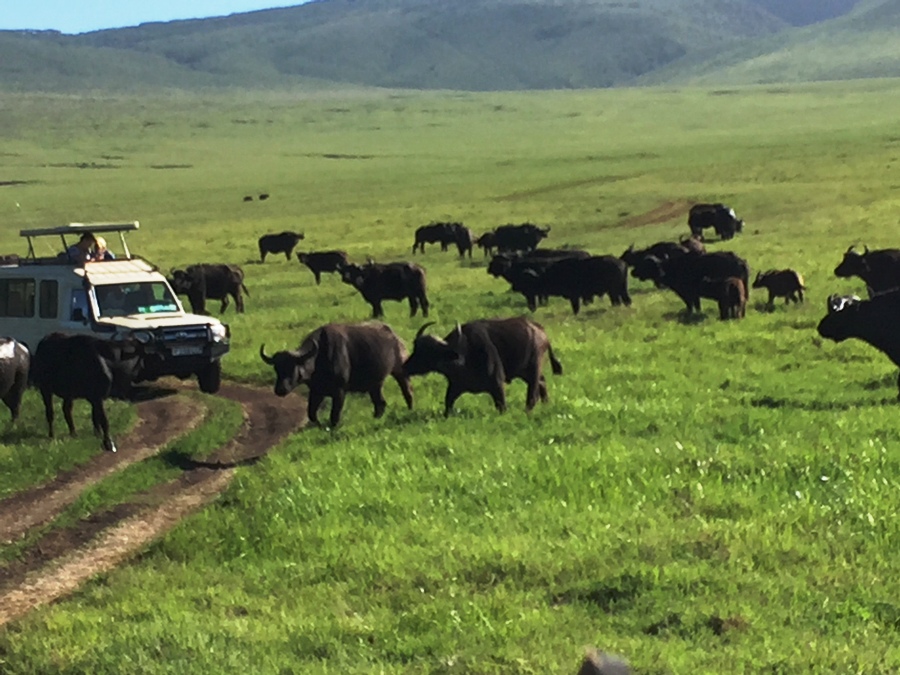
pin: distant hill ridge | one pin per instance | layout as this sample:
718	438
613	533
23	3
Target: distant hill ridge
473	45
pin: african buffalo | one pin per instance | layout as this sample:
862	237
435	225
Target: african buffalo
486	243
483	356
322	261
283	242
730	293
435	233
84	366
786	284
875	321
687	274
388	281
578	280
524	237
717	216
337	358
212	281
880	269
15	362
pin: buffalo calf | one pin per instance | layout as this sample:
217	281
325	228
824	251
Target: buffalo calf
323	261
283	242
786	284
338	358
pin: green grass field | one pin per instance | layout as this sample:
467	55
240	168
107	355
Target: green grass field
713	497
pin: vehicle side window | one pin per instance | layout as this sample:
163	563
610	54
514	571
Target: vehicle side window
49	302
17	297
79	305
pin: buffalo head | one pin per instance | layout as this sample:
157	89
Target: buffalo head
853	264
292	368
433	355
352	274
181	281
648	268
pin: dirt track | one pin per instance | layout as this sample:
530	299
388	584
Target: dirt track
64	558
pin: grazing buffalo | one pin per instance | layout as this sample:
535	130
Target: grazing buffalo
786	284
337	358
660	250
444	234
464	240
283	242
875	321
486	243
15	362
730	293
717	216
483	356
879	269
524	237
577	280
388	281
323	261
206	280
687	274
84	366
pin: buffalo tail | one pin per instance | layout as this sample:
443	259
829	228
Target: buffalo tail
554	363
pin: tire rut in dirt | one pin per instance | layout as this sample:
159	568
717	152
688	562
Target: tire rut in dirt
61	560
159	422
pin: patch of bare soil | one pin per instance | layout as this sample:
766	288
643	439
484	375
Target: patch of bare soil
664	212
62	560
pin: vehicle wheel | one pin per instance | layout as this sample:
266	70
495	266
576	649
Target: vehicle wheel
210	378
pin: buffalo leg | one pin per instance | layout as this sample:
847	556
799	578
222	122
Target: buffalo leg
48	410
337	405
225	302
287	254
377	310
239	302
453	393
542	389
405	387
67	413
424	302
499	396
576	304
318	277
101	424
312	407
413	305
262	256
378	401
13	401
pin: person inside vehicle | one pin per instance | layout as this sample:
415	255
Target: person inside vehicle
80	253
100	251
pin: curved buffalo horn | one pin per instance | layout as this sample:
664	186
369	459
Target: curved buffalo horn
458	329
422	329
850	250
865	250
547	229
262	354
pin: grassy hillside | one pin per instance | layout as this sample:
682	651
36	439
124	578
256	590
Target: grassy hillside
862	44
484	45
701	496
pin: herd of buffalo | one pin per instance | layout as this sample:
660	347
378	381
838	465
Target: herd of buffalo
482	356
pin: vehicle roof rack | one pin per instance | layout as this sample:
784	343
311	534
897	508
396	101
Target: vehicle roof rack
79	229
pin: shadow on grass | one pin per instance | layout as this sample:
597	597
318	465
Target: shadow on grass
180	460
818	405
150	393
685	318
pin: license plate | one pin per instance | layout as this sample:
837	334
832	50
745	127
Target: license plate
191	350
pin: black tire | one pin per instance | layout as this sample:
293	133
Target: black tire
210	378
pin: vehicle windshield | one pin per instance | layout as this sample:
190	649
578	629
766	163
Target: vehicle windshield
139	298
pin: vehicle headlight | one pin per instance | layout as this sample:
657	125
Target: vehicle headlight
219	331
142	336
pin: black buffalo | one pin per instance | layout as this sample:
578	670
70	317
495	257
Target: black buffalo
787	284
206	280
660	250
687	275
444	234
338	358
879	269
323	261
388	281
875	321
464	240
485	355
578	280
719	217
486	243
524	237
15	362
283	242
84	366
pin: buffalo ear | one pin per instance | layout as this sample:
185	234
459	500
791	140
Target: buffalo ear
301	357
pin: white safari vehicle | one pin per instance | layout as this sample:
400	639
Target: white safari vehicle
113	299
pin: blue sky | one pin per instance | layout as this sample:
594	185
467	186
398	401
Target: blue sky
79	16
